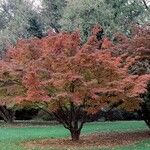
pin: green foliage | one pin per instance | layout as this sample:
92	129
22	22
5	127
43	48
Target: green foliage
114	15
52	12
19	20
18	13
35	27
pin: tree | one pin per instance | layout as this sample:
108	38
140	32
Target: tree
19	20
138	47
145	108
9	87
146	4
52	12
116	15
35	27
16	14
70	80
7	114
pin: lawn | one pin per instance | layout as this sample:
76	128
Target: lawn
12	137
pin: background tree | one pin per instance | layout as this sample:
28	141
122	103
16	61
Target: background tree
19	20
8	115
116	15
35	27
18	13
145	108
52	12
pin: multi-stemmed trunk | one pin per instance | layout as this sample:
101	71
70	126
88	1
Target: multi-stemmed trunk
75	134
72	118
74	127
6	114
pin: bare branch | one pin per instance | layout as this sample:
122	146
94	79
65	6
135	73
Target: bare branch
145	4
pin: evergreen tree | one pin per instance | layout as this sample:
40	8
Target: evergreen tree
35	27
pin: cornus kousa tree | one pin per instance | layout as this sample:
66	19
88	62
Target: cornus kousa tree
62	76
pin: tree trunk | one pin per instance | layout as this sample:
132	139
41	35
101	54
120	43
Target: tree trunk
11	116
7	115
75	134
72	119
146	5
145	113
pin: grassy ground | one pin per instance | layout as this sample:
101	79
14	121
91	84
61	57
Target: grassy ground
11	138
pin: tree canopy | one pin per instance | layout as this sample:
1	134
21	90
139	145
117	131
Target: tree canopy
72	80
116	15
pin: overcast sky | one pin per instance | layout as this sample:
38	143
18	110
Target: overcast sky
37	2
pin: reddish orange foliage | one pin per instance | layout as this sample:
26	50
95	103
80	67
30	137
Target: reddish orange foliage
56	62
71	79
106	44
135	48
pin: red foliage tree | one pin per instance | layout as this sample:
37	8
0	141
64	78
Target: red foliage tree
9	87
70	80
137	46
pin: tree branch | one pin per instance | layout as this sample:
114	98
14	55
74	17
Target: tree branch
54	27
145	4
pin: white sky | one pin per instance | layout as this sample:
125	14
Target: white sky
37	2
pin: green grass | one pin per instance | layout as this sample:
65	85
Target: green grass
10	138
